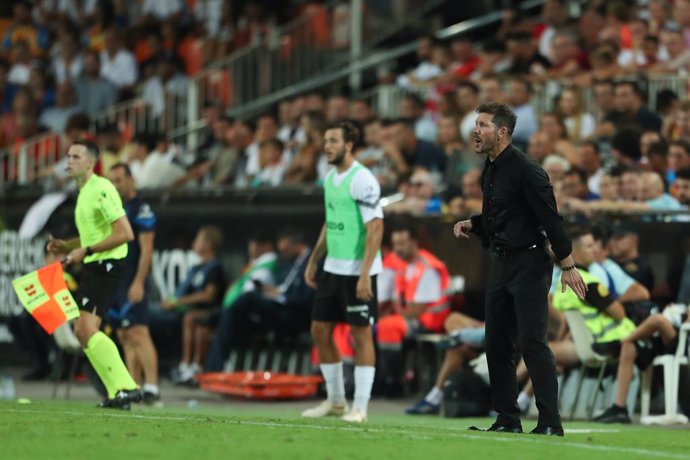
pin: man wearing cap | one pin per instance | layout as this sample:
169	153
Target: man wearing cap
624	249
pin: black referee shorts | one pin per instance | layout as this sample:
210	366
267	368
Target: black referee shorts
336	301
99	285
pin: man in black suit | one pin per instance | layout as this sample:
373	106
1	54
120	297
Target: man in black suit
518	215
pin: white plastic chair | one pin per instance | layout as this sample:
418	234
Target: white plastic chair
68	344
583	339
671	364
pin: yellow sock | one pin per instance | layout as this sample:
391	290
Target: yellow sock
106	360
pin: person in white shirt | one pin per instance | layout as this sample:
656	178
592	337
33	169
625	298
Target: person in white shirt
117	64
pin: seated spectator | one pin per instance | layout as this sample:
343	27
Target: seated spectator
7	88
590	162
468	100
656	335
372	155
421	197
23	29
567	59
540	146
556	168
426	69
266	129
290	115
678	54
575	185
624	249
42	95
525	58
604	315
271	164
682	186
360	111
678	155
94	92
518	97
414	292
492	61
609	187
55	118
68	65
151	164
554	126
303	168
412	107
464	59
491	90
460	158
406	151
114	148
198	296
337	108
580	124
22	109
630	110
283	308
22	63
117	63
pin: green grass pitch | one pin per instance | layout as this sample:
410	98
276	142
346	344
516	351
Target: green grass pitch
59	430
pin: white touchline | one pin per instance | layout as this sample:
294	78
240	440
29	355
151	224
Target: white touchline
416	432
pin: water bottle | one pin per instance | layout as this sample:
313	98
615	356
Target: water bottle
7	388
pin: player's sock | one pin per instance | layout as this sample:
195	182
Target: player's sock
364	379
106	360
151	388
435	396
335	382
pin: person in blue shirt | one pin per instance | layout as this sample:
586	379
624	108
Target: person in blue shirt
129	315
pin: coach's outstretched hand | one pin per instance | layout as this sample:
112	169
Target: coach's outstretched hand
461	228
573	279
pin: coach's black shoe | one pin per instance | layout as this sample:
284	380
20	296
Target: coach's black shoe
612	349
548	430
500	428
614	414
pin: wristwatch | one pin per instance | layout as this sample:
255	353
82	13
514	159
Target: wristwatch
89	251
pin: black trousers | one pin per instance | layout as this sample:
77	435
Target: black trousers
516	315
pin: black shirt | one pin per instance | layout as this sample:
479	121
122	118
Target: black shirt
519	209
644	120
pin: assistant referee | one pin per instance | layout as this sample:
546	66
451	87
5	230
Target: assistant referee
102	245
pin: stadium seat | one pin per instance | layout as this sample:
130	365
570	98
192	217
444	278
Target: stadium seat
671	365
68	345
583	339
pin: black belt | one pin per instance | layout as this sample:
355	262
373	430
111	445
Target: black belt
503	252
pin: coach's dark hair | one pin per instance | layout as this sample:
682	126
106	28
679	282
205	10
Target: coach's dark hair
349	130
503	115
91	148
125	167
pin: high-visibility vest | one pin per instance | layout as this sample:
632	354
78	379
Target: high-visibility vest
603	327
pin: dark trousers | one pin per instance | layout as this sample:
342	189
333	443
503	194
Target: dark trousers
516	314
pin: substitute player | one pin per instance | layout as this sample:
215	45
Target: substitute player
350	239
129	314
102	245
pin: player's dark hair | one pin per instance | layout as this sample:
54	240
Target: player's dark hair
349	130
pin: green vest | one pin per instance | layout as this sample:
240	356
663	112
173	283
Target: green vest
603	327
345	231
236	288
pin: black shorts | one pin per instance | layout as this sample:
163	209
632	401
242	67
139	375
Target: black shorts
124	314
100	282
336	301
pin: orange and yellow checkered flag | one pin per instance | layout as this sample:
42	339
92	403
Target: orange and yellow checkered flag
45	296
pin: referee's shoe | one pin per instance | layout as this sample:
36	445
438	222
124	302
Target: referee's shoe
122	400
